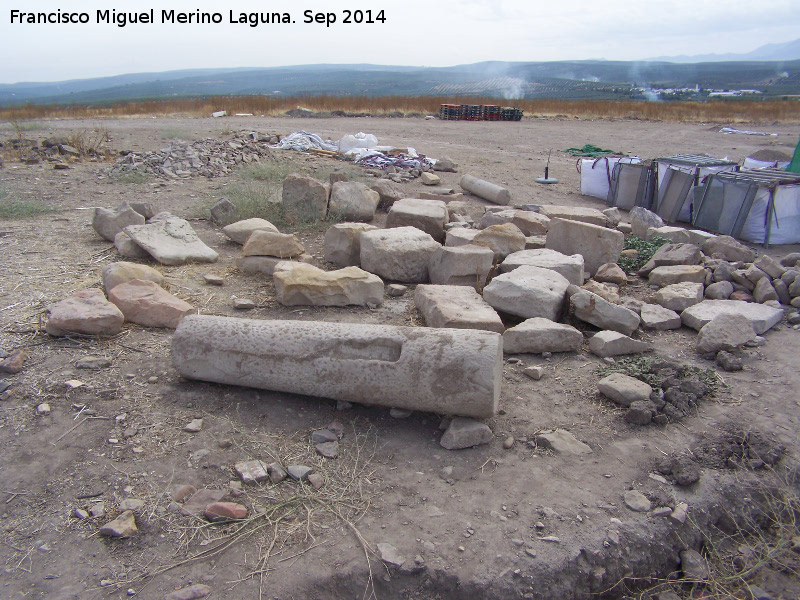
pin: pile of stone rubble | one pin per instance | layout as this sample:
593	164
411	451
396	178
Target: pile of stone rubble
550	267
209	157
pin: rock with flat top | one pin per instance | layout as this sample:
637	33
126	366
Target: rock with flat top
610	273
624	389
455	306
225	511
307	285
538	335
146	303
120	272
461	265
721	290
264	242
761	317
662	276
531	223
680	296
267	265
726	331
171	241
671	255
343	243
251	471
764	291
641	220
659	318
613	343
86	312
192	592
575	213
429	216
124	526
727	248
502	239
598	245
593	309
240	231
528	292
388	192
562	442
460	236
465	432
571	267
398	254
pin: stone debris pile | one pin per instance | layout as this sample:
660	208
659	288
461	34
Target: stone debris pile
209	157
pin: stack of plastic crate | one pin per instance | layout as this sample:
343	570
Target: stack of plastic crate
450	112
491	112
511	114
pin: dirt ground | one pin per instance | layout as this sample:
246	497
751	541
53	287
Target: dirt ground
485	522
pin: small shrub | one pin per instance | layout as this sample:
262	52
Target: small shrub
89	142
15	208
131	177
645	248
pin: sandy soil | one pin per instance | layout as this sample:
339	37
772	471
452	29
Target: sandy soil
475	520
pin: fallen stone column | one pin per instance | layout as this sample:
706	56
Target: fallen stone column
446	371
486	190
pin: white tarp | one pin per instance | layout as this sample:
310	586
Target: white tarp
596	174
686	211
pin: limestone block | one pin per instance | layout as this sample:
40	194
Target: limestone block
570	267
528	292
461	265
308	285
598	245
455	306
429	216
343	243
398	254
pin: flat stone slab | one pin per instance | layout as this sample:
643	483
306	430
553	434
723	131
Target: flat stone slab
562	442
680	296
460	236
761	316
575	213
86	312
307	285
570	267
109	222
727	331
503	239
624	389
613	343
120	272
528	292
669	275
657	317
449	371
603	314
264	242
598	245
146	303
537	335
240	231
268	264
672	254
456	306
171	241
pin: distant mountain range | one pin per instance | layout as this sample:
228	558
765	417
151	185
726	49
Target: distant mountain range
596	79
774	52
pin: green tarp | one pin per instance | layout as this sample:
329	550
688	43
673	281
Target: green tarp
589	150
794	166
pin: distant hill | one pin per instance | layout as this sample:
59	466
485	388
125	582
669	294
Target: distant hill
503	80
773	52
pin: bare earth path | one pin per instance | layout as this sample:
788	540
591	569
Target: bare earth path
486	522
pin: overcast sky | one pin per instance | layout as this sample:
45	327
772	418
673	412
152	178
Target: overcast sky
416	32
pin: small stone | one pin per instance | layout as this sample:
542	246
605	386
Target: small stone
122	527
152	379
624	389
396	290
73	384
251	471
97	511
550	538
694	566
212	279
390	555
328	449
343	405
93	362
323	435
193	592
132	504
316	480
728	361
225	511
636	501
298	472
661	511
276	472
399	413
508	443
201	500
640	412
685	471
194	426
530	552
465	432
535	372
679	514
81	514
43	409
562	442
181	492
243	304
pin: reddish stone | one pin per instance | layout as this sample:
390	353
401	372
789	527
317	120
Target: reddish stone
86	312
225	511
13	362
148	304
741	295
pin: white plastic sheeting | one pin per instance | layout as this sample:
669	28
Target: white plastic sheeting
785	226
596	174
359	140
303	141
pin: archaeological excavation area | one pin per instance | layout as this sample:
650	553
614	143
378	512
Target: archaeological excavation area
248	357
